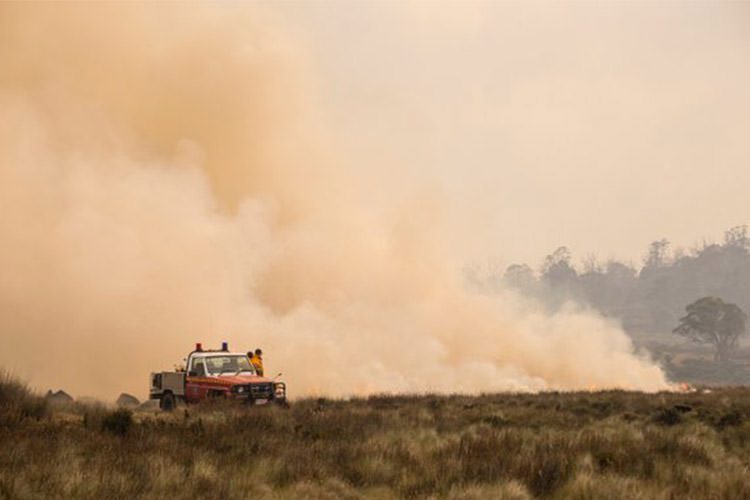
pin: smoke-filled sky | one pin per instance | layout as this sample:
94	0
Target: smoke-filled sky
598	125
311	178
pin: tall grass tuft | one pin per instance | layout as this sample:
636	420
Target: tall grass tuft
17	401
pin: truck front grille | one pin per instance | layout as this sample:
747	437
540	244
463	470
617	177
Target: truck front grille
261	390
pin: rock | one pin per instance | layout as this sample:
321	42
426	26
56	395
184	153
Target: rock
127	401
149	405
59	398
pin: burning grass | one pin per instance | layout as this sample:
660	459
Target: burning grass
551	445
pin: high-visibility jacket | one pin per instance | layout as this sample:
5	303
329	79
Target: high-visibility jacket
257	362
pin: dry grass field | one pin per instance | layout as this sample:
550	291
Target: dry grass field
551	445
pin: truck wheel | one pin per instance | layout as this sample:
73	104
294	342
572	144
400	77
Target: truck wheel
167	402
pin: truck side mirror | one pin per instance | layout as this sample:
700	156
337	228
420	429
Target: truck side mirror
192	373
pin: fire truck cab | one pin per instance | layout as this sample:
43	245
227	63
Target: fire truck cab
212	374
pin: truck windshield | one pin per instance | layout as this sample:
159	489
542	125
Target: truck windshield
217	365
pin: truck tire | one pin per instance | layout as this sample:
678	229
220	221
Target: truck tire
167	402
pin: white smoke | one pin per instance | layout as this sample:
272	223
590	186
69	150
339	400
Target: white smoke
160	187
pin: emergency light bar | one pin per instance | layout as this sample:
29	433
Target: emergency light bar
224	347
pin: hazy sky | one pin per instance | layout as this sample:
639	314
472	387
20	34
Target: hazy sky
597	125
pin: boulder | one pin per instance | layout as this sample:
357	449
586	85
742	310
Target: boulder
59	398
127	401
149	405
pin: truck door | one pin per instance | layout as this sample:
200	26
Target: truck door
196	384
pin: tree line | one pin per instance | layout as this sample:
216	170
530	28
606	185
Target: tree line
651	298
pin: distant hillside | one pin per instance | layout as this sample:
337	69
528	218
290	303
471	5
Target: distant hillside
648	301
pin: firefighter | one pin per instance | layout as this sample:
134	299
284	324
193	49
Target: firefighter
257	360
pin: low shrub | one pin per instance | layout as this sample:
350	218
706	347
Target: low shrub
668	417
118	422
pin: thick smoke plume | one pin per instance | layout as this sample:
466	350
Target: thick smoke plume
165	178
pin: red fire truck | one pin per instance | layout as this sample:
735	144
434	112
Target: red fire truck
215	374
